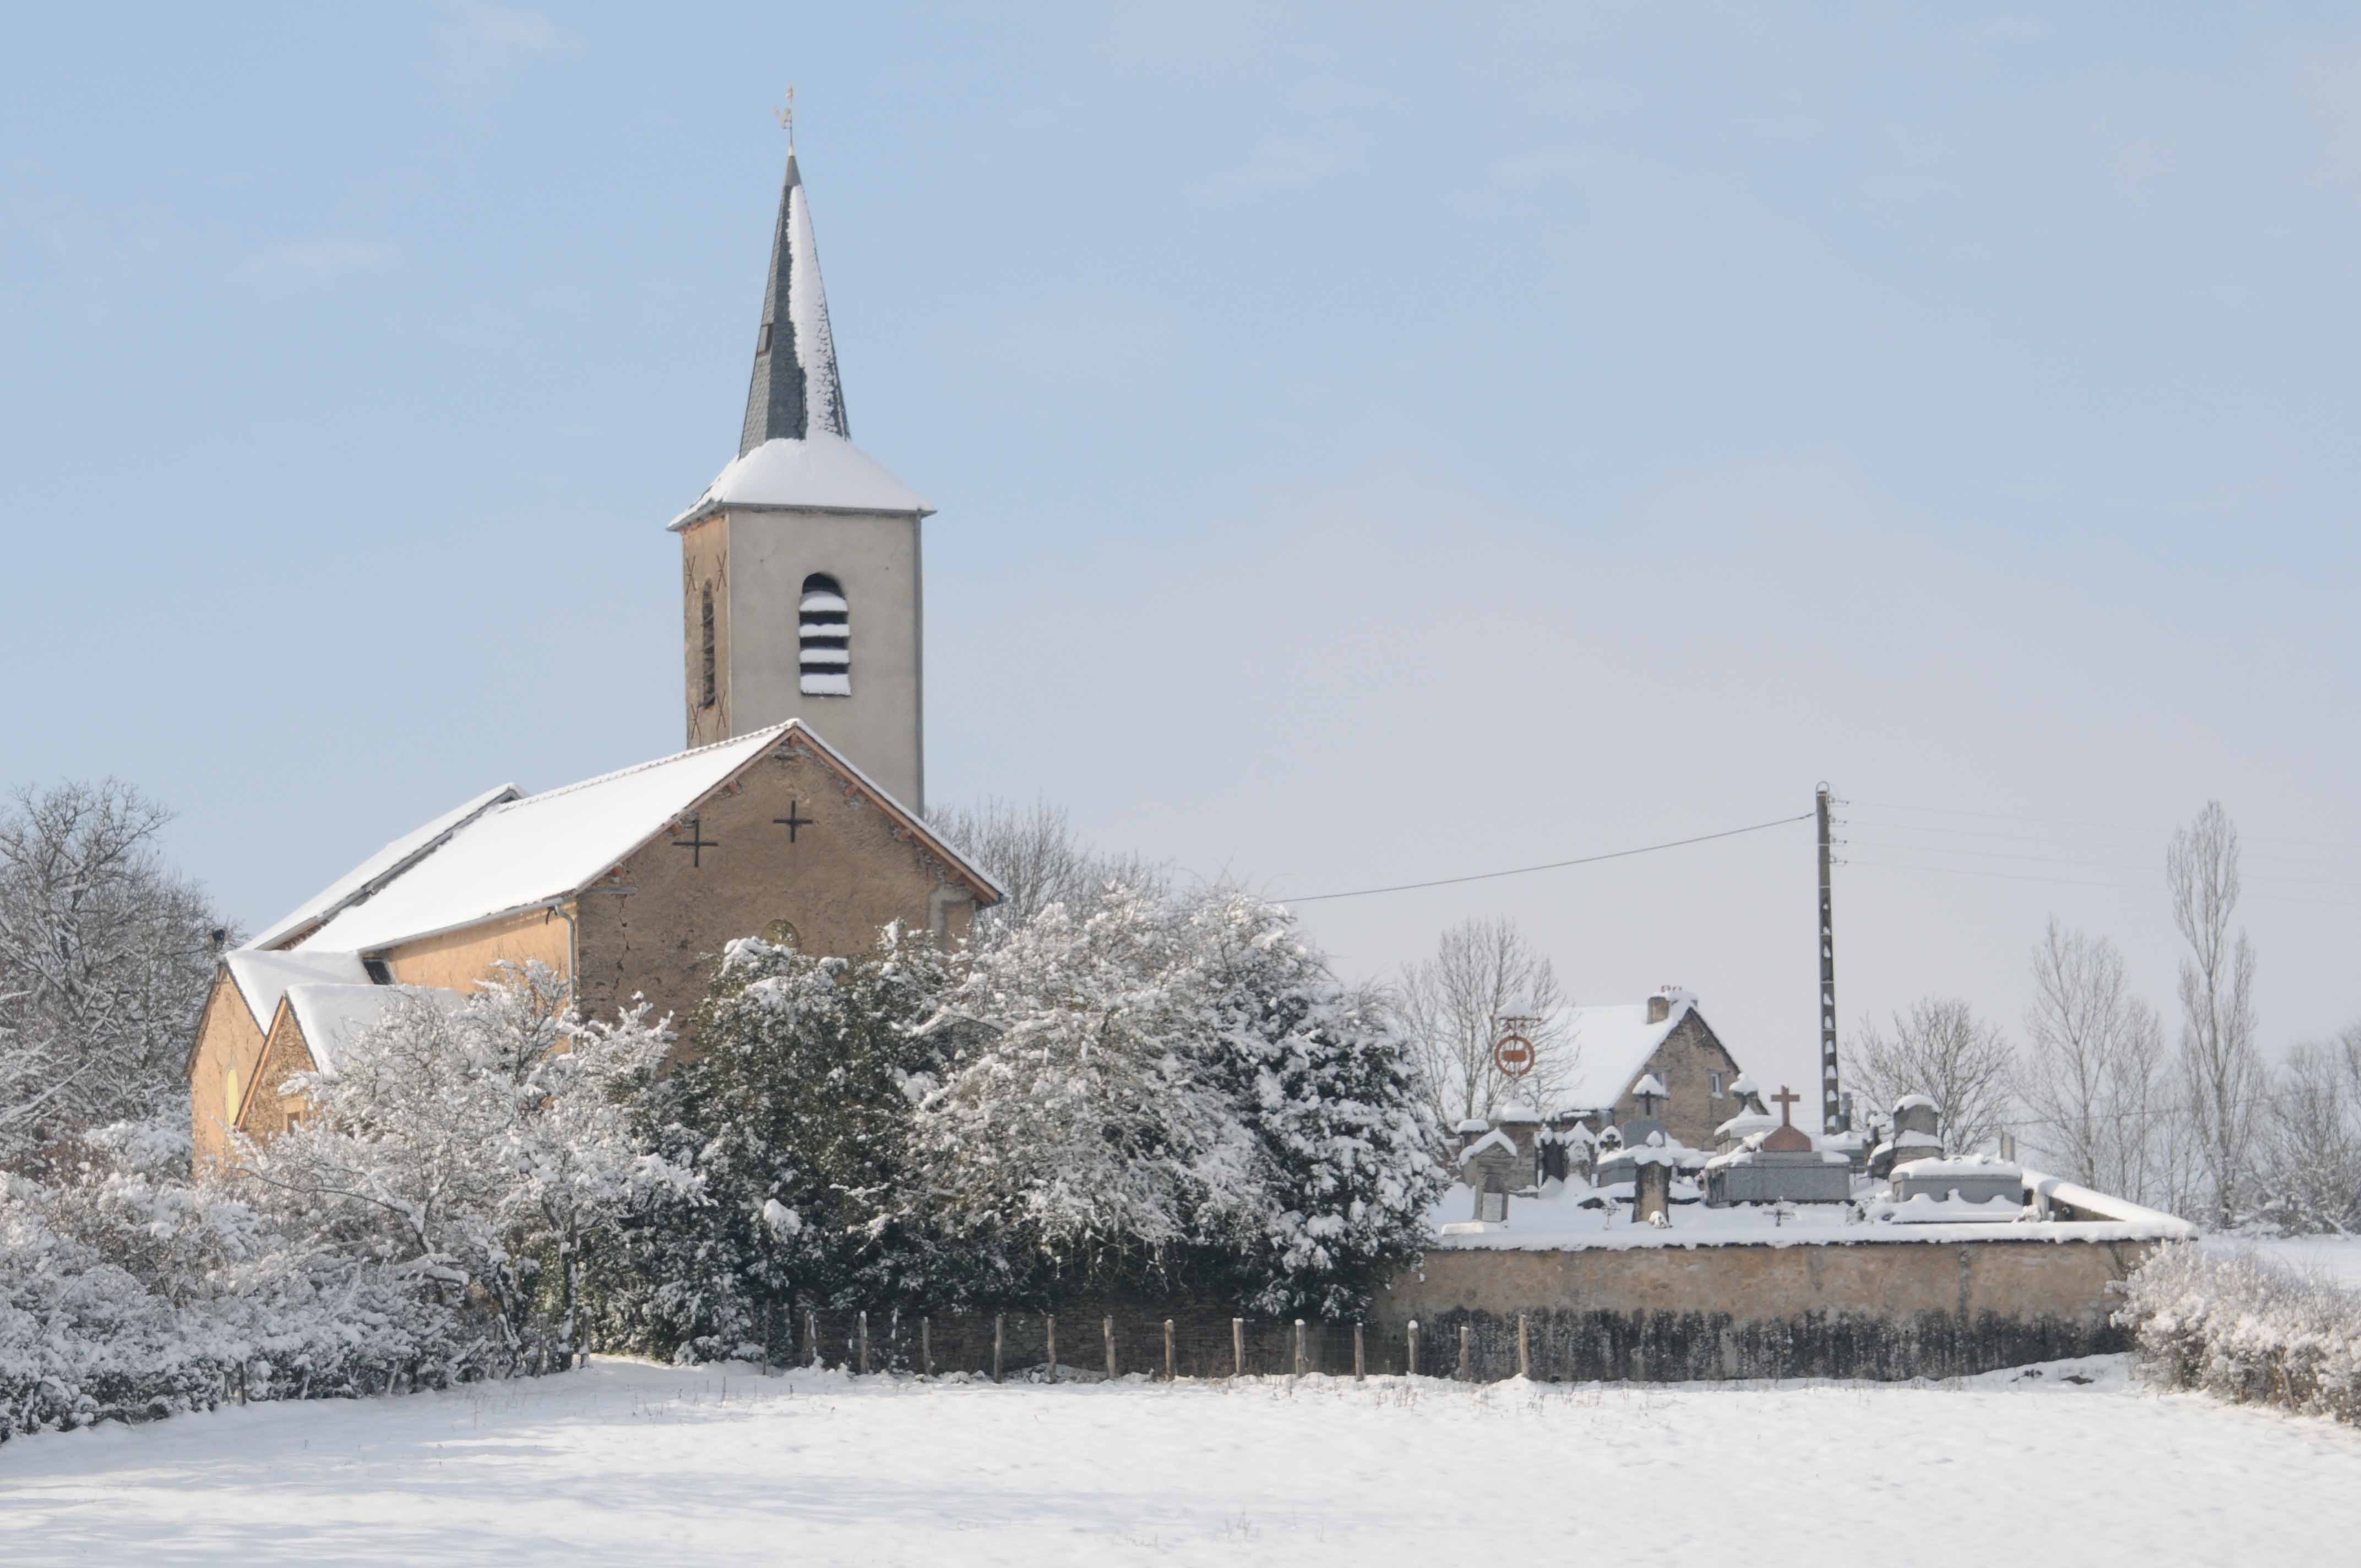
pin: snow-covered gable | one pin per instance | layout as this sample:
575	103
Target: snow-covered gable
1613	1046
332	1016
534	852
818	473
262	978
377	870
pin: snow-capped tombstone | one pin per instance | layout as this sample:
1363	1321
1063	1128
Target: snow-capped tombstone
1917	1134
1651	1183
1976	1178
1491	1168
1782	1164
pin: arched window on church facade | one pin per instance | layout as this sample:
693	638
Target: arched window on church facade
824	635
706	684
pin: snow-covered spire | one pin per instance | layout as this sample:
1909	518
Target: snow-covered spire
796	392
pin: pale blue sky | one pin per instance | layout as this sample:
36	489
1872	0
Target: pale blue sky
1371	443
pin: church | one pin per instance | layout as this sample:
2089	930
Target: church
797	813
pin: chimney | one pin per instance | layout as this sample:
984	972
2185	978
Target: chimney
1660	1007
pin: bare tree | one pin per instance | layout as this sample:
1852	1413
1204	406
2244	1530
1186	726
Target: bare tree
105	957
1941	1049
1033	852
2221	1068
2310	1166
1450	1006
2091	1084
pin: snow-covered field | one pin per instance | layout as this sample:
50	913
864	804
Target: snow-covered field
632	1462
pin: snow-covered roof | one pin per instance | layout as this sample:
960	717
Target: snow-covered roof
262	978
1612	1046
536	851
818	473
380	867
1914	1101
332	1016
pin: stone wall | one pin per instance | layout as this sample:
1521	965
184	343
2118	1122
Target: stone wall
1860	1309
457	960
285	1054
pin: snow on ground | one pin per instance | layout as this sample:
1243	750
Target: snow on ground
634	1463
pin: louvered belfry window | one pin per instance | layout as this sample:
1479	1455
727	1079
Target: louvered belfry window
826	637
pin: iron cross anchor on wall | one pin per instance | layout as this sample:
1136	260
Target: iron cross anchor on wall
697	843
791	821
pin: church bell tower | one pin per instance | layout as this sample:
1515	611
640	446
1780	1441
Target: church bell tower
800	565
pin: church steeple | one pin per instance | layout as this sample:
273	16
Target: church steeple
794	392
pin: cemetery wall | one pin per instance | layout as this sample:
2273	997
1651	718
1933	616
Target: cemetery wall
1887	1309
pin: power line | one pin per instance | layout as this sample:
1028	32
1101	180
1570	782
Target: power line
1552	865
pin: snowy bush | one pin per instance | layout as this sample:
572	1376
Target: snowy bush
1175	1095
2248	1330
475	1150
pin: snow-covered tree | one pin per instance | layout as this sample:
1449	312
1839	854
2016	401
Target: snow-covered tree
2221	1072
1940	1048
2094	1085
795	1114
1075	1118
477	1147
106	956
1322	1081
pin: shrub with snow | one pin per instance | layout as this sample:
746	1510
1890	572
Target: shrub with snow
2248	1330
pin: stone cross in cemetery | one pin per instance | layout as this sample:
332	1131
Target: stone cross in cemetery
1785	1099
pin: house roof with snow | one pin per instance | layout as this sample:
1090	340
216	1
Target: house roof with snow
332	1016
794	448
1613	1046
264	978
536	851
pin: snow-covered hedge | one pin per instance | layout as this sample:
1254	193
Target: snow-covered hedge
127	1294
2250	1330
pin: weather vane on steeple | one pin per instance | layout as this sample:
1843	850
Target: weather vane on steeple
787	117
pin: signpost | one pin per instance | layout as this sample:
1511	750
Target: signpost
1512	1053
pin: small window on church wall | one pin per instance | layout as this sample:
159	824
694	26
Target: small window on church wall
704	680
824	634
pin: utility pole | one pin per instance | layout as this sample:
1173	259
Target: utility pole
1831	1105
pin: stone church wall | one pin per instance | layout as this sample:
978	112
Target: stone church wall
656	925
227	1044
705	558
459	960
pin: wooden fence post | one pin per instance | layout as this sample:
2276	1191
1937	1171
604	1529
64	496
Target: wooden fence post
811	1336
770	1328
1524	1348
1052	1321
1168	1373
1299	1347
999	1325
1238	1347
1106	1327
862	1332
1411	1370
1360	1366
927	1345
1466	1371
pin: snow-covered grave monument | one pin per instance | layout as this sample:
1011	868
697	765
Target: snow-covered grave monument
1778	1259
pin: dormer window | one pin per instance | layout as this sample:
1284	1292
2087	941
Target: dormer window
763	343
824	635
